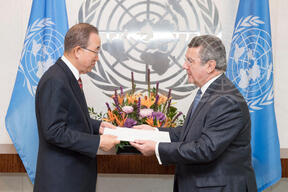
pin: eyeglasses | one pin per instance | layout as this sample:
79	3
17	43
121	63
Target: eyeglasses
187	60
96	52
191	61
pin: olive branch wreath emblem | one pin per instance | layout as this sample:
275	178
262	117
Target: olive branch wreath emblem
36	26
107	82
244	24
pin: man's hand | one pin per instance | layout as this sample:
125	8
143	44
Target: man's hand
144	126
105	124
107	142
147	148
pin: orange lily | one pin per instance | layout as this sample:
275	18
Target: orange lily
150	121
148	101
120	121
121	99
131	99
111	117
162	99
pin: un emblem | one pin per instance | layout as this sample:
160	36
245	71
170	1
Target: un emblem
141	35
42	46
251	66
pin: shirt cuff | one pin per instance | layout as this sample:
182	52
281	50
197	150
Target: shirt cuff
157	153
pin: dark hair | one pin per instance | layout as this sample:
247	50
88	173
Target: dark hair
212	48
78	35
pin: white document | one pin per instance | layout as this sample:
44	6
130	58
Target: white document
130	134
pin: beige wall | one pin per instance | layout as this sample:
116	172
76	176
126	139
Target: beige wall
19	182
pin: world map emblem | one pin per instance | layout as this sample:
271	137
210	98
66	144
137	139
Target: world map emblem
42	46
140	35
251	64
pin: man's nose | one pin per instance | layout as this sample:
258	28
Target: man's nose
185	66
97	57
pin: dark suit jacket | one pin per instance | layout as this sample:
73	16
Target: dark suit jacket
212	150
68	138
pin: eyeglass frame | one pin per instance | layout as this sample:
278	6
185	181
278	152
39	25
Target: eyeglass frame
96	52
188	60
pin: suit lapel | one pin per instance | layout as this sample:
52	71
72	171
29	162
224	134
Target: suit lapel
186	122
76	90
197	111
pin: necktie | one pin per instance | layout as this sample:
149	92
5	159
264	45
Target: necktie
80	83
193	107
196	101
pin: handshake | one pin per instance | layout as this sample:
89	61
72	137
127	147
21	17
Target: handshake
142	137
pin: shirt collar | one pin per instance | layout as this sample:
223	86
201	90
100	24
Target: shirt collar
206	85
71	67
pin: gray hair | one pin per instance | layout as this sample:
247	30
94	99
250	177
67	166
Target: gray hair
212	48
78	35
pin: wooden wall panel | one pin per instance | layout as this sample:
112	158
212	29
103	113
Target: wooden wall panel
116	164
131	164
284	163
11	163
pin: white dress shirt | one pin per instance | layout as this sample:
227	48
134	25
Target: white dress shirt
71	67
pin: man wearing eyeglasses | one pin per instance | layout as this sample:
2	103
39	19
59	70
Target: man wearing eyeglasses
212	149
68	138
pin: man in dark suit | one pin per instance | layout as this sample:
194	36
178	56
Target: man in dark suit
211	150
68	137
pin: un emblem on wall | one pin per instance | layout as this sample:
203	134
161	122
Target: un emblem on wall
137	35
251	63
42	46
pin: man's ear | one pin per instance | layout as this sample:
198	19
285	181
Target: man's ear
77	51
211	65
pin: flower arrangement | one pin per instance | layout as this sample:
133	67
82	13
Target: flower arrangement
135	108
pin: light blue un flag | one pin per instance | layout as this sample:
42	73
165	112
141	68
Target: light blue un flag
250	68
43	45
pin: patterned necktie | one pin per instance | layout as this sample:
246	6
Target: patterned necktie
196	101
80	83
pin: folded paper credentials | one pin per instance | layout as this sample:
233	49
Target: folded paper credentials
130	134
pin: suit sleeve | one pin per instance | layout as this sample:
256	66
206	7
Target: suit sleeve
223	123
174	133
52	105
96	126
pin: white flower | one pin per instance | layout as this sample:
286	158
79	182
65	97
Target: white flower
127	109
145	112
